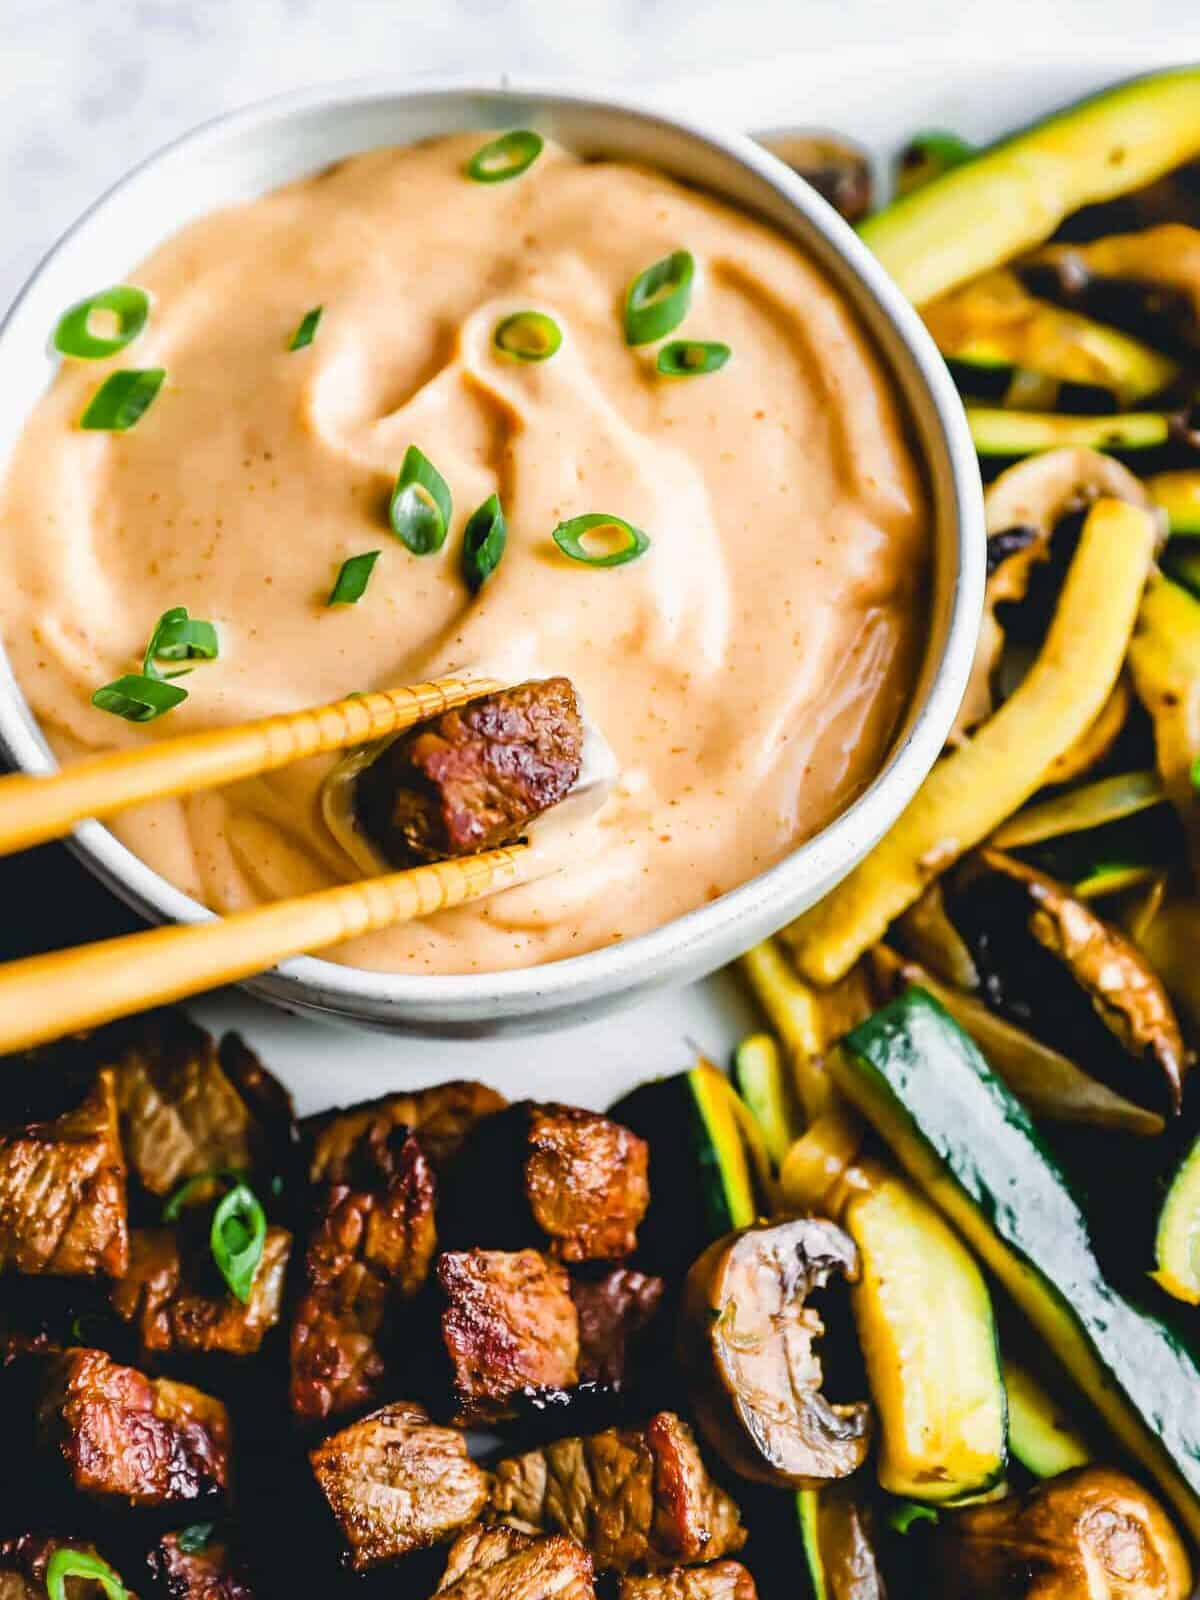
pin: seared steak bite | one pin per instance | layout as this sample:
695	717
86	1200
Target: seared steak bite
637	1498
120	1434
443	1117
180	1303
395	1482
509	1325
197	1564
504	1564
62	1191
613	1311
180	1114
474	777
567	1180
722	1580
371	1246
269	1103
23	1563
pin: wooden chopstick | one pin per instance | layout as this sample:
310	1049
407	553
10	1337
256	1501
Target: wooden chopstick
36	808
47	996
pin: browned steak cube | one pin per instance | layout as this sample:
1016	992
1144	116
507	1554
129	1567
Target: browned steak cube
120	1434
23	1563
474	777
585	1178
509	1325
613	1311
268	1102
442	1117
180	1114
62	1191
197	1564
722	1580
503	1564
181	1305
395	1482
636	1498
370	1249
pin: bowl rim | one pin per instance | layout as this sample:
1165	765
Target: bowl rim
312	983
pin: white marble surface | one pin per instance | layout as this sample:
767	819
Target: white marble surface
88	88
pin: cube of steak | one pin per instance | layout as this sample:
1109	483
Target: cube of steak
474	777
585	1178
613	1311
722	1580
198	1565
23	1563
395	1482
509	1325
180	1303
268	1102
180	1114
121	1434
442	1117
636	1498
503	1564
62	1191
370	1249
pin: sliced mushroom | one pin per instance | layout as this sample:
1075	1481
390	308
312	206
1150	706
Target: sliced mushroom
1050	964
1024	506
1093	1534
838	169
747	1344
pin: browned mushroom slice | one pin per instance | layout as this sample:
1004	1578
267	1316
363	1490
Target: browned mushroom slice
1078	1536
1024	507
1053	966
747	1343
838	169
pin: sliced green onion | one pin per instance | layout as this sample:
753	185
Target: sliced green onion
239	1231
528	336
506	157
689	358
603	531
659	298
307	331
904	1513
198	1184
353	578
121	399
420	507
138	698
195	1537
74	337
928	155
178	637
65	1563
484	539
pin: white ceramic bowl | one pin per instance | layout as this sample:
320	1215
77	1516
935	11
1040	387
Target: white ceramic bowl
243	154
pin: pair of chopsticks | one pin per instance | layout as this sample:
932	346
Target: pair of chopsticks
66	991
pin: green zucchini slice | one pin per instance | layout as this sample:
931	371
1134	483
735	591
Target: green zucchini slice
924	1320
763	1082
1014	194
1178	494
970	1144
1177	1242
1009	435
1040	1436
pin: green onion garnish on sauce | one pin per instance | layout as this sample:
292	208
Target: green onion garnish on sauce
65	1563
420	506
74	336
138	698
690	358
178	637
484	539
613	541
506	157
353	578
237	1236
528	336
659	298
121	399
307	331
142	696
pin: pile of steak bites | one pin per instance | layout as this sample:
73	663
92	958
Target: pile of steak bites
427	1263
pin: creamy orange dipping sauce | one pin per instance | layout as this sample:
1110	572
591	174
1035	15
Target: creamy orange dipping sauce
749	669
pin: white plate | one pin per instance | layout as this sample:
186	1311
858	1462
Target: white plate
880	100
